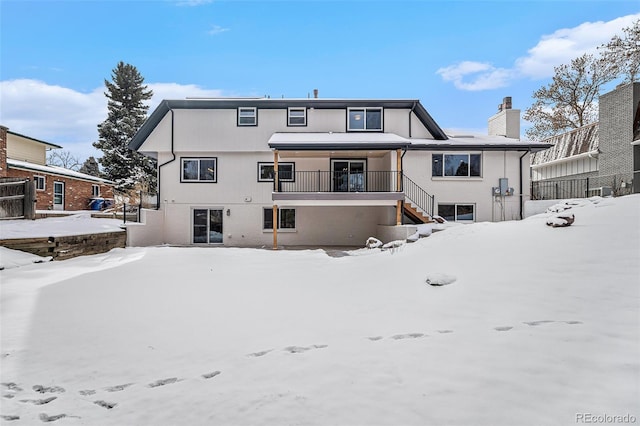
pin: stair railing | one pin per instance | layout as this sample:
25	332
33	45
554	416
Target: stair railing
418	196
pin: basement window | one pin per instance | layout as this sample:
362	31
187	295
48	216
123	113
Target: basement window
286	219
457	212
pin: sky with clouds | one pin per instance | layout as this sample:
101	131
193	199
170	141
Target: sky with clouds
459	58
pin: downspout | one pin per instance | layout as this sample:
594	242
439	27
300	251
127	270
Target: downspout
410	111
521	184
165	163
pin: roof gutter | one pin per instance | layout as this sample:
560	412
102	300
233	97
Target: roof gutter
590	154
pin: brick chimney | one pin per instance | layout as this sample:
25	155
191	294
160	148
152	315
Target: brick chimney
506	122
3	151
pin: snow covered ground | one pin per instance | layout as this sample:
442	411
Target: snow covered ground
540	326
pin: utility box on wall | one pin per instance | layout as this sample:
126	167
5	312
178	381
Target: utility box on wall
503	188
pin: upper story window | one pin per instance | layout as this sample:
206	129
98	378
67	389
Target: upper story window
247	116
95	190
457	165
366	119
297	117
40	183
199	170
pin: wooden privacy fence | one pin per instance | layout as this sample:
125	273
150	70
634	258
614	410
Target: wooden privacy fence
17	198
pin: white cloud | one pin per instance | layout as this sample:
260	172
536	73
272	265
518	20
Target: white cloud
216	29
478	76
68	117
552	50
569	43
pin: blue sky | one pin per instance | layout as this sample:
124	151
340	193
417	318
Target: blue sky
460	58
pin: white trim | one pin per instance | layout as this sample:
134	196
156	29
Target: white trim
590	154
636	142
254	116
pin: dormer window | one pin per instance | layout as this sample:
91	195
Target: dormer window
364	119
247	116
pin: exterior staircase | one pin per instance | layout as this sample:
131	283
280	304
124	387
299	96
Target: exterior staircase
418	204
416	214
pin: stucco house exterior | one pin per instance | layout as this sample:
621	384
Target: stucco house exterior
601	158
57	188
325	172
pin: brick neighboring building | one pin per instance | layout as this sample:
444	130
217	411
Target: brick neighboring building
57	188
606	152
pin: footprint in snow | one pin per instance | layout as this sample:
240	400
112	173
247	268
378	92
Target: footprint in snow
375	338
259	354
407	336
573	322
505	328
211	375
300	349
52	389
9	417
536	323
105	404
87	392
117	388
163	382
12	386
445	331
39	401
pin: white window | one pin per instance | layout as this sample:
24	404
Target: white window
247	116
364	119
297	117
286	219
40	183
457	212
458	165
199	169
286	172
95	190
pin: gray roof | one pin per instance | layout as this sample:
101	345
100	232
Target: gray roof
575	142
268	103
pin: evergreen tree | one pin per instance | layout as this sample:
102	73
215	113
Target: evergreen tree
91	167
126	113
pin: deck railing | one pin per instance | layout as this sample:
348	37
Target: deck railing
337	181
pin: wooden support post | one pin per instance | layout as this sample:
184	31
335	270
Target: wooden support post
275	227
399	213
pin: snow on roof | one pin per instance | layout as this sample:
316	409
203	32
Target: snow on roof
471	140
576	142
54	170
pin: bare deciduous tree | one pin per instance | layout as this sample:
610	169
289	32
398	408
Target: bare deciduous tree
63	159
623	53
568	102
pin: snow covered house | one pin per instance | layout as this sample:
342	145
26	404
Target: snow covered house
57	188
597	159
318	172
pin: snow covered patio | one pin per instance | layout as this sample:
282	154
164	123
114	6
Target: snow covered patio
541	326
